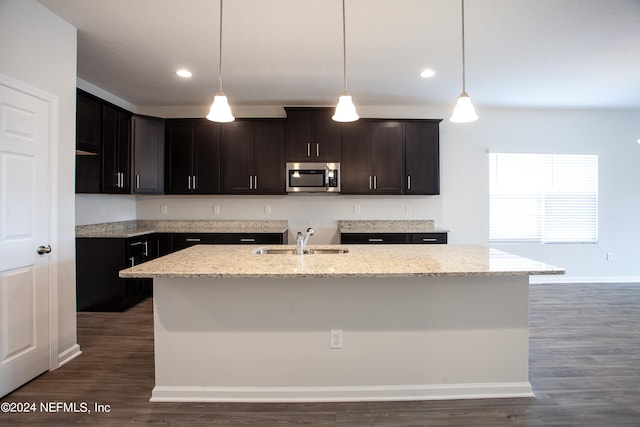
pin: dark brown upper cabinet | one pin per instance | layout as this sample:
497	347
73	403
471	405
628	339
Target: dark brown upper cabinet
252	157
88	143
311	135
88	124
116	150
148	155
422	157
192	163
372	157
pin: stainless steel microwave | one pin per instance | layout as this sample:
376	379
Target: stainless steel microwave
313	177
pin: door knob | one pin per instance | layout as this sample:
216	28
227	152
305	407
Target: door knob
44	249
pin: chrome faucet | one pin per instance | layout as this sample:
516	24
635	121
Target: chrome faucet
301	241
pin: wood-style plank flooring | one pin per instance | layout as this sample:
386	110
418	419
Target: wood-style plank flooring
584	368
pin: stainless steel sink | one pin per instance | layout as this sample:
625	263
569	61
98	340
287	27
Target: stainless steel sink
273	251
323	251
292	251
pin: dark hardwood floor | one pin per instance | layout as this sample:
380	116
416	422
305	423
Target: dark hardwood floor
584	368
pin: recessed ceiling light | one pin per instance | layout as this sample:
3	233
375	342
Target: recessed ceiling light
184	73
427	74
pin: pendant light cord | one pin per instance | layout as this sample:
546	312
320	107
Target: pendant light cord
220	50
344	49
463	61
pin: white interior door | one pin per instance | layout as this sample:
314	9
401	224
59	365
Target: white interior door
24	227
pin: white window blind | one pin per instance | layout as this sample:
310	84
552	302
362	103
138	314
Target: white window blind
543	198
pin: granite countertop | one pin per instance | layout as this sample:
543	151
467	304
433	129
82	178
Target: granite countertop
237	261
388	226
124	229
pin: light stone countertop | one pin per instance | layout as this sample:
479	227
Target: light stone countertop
125	229
237	261
388	226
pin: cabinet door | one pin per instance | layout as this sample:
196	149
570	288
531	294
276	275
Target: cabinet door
116	146
97	267
327	136
88	123
298	135
311	135
386	157
206	162
148	155
269	165
164	244
237	157
422	153
141	249
179	156
355	164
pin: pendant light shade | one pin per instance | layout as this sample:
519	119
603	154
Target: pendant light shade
345	110
463	111
220	110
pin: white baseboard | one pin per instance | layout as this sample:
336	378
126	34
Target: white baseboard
68	355
589	279
340	394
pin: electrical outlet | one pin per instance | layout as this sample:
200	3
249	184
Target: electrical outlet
103	211
163	209
356	209
216	209
336	339
267	209
609	256
408	209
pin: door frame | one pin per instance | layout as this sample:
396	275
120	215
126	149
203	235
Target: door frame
53	102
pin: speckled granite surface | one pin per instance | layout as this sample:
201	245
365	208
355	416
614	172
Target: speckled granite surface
141	227
361	261
388	226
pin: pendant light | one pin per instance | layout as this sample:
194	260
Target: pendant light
220	110
463	111
345	110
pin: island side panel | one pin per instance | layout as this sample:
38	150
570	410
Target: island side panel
403	338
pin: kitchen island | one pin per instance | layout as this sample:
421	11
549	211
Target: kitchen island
401	322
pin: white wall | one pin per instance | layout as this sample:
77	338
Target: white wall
39	49
319	211
98	208
610	134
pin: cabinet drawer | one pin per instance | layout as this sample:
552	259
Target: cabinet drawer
248	238
429	238
374	238
181	241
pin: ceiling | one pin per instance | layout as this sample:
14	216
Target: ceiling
519	53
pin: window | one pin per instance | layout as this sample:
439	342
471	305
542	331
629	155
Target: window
543	198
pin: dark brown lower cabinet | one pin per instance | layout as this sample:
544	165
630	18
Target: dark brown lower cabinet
393	238
99	261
